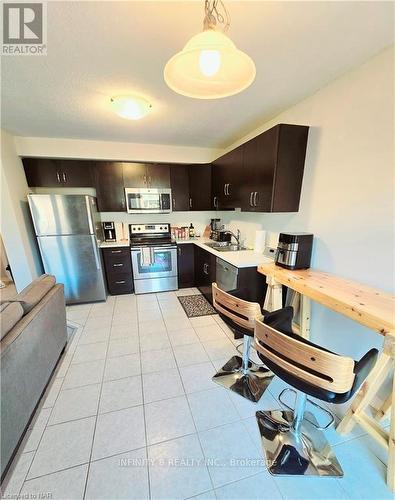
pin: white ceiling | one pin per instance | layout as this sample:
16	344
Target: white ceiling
98	49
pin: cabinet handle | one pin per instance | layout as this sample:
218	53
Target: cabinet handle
120	282
145	179
255	198
64	177
251	195
117	265
116	251
225	189
174	203
58	176
190	202
215	202
179	250
149	180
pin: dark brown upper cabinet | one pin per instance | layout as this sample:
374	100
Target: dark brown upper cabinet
134	175
109	185
43	172
158	175
273	167
200	196
143	175
228	180
179	180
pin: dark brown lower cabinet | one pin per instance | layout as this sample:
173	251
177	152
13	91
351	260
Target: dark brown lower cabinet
205	263
118	266
186	265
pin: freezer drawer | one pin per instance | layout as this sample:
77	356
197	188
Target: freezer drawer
75	261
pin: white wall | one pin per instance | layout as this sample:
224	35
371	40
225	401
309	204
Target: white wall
16	228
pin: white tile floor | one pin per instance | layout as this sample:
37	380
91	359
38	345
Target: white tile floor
132	413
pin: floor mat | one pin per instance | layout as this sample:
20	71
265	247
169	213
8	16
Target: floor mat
196	305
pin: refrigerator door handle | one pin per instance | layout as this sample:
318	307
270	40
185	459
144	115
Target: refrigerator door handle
90	216
96	252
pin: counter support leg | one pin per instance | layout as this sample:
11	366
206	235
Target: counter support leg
364	397
274	295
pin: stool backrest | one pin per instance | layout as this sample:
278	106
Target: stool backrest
310	364
240	311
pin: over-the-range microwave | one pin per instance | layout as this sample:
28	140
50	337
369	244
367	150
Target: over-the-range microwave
147	200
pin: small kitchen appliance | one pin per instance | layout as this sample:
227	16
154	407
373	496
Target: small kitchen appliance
218	233
294	250
154	258
109	232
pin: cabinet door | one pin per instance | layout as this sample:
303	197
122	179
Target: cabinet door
292	144
135	175
228	179
186	265
179	187
260	156
200	187
199	267
110	192
205	271
41	172
158	176
76	173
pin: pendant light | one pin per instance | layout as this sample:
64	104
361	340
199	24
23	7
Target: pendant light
210	66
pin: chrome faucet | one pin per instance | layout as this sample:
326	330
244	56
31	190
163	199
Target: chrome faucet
237	238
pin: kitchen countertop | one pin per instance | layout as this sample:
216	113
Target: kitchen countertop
112	244
242	258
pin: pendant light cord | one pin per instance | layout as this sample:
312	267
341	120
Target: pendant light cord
216	14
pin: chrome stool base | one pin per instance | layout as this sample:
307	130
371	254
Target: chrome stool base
301	451
249	383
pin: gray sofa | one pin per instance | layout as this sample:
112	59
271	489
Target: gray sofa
33	336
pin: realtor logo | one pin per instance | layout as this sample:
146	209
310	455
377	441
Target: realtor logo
24	28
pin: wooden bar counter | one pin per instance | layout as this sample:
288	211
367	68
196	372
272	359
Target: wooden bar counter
372	308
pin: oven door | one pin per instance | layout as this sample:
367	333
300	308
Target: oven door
164	263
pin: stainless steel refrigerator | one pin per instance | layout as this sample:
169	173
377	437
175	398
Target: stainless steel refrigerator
68	233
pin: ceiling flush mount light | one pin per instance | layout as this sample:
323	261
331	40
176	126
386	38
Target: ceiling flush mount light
130	107
210	66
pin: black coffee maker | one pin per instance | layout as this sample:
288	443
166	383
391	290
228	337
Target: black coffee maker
294	250
109	231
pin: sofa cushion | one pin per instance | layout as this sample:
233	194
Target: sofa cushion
10	314
33	293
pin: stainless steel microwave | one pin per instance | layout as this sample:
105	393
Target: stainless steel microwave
148	201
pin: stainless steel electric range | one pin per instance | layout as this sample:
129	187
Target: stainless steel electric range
154	258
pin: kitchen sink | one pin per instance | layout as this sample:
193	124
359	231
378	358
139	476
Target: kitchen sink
225	247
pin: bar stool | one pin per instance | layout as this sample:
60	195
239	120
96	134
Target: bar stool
292	441
240	374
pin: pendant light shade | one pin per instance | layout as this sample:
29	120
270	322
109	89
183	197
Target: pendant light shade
209	67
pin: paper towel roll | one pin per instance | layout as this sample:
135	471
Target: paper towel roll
260	241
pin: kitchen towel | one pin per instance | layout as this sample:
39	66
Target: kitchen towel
260	241
147	256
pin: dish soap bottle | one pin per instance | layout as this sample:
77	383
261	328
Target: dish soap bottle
191	231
